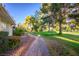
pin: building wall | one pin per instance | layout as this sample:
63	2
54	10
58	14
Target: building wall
6	20
6	27
2	26
10	30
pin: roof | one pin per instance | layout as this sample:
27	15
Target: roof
6	16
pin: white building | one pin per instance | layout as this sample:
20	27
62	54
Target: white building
6	22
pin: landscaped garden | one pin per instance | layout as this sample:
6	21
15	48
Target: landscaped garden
8	43
65	44
51	30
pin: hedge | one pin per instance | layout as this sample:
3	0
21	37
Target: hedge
9	43
2	33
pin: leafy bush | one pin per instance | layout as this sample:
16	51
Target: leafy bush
8	43
18	32
2	33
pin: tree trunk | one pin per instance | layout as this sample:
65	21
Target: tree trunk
53	17
60	25
49	27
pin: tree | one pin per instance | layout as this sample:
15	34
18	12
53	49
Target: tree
39	22
31	23
47	19
74	14
55	11
28	23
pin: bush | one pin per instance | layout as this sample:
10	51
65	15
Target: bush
8	43
18	32
2	33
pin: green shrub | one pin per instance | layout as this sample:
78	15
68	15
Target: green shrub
2	33
18	32
8	43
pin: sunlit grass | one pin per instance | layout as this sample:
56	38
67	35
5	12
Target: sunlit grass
66	39
74	33
71	39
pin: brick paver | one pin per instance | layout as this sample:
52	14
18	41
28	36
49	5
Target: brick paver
38	48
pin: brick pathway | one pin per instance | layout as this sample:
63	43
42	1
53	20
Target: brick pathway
27	41
31	46
38	48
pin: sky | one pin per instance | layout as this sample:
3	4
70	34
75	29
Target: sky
20	10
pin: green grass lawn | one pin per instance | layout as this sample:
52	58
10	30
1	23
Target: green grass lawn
68	39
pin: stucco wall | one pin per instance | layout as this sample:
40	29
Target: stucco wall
6	27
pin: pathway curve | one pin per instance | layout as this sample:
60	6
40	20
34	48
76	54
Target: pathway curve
31	46
37	48
26	42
